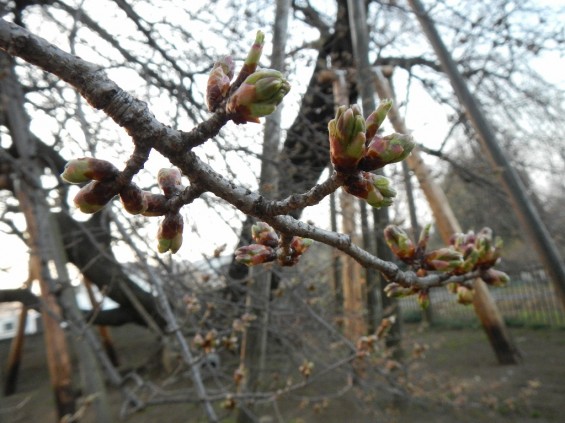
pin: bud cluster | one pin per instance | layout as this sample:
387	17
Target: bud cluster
254	94
466	253
268	248
356	149
102	188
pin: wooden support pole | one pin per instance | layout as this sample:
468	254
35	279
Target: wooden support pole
15	355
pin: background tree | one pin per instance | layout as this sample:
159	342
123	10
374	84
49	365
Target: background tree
159	59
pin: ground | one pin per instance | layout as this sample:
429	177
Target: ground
456	379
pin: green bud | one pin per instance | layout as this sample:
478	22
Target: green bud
263	234
169	179
375	189
376	119
257	96
133	199
254	254
218	85
169	236
465	295
399	242
300	245
255	52
424	298
445	259
94	196
386	150
85	169
394	290
347	138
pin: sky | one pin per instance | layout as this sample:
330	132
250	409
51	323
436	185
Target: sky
209	230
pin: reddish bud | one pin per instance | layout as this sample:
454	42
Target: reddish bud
133	199
444	259
495	277
465	295
376	119
94	196
254	254
386	150
219	82
169	179
263	234
156	204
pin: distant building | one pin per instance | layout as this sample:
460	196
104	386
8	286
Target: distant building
9	316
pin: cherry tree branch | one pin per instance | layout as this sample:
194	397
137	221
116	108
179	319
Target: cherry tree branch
148	133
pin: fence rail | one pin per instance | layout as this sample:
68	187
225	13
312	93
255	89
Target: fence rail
529	300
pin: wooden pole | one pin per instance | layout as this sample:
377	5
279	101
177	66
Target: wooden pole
15	355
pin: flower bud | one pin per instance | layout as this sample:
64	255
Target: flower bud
219	82
347	138
375	189
254	254
424	298
258	96
169	179
385	150
376	119
85	169
300	245
156	204
251	62
394	290
263	234
424	239
465	295
444	259
169	236
399	242
133	199
495	277
94	196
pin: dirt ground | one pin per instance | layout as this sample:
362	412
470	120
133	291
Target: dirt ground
455	379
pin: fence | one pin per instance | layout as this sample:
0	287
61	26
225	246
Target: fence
529	300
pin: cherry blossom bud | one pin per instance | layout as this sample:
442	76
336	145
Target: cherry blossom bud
375	189
169	179
85	169
133	199
300	245
376	119
424	239
254	254
399	242
156	204
394	290
219	82
495	277
253	56
465	295
94	196
263	234
347	138
258	96
424	298
444	259
169	236
386	150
